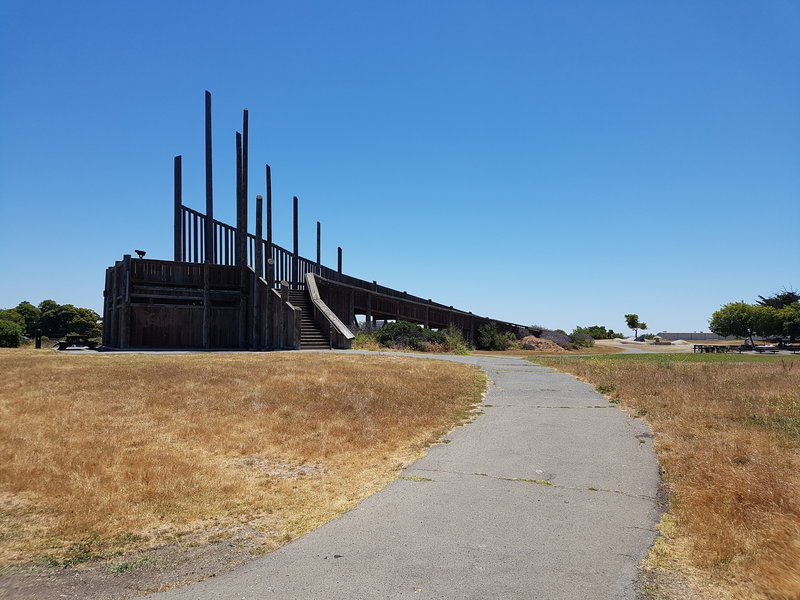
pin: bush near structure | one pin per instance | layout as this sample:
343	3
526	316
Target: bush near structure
402	335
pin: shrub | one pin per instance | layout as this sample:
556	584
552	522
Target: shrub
403	334
581	340
489	338
456	342
10	334
365	341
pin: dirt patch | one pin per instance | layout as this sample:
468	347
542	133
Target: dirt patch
274	467
192	558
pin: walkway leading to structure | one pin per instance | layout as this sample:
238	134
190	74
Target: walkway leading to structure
551	494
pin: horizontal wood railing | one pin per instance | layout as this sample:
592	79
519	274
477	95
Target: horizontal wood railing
286	266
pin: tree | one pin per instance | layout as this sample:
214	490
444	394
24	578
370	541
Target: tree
10	334
780	299
9	314
46	305
61	319
789	317
633	322
737	319
598	332
31	314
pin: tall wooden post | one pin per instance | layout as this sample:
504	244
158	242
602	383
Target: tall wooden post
245	197
178	229
241	242
319	243
339	260
295	248
270	261
257	337
209	229
270	338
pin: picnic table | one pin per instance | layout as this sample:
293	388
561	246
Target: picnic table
76	341
762	349
722	349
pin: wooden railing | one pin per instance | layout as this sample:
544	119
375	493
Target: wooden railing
286	266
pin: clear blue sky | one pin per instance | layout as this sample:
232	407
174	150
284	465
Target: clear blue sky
557	163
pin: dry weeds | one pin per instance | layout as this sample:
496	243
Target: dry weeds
109	452
523	353
728	439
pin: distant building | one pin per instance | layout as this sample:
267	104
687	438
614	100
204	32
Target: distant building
695	335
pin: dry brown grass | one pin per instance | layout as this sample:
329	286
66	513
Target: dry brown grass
728	439
522	353
103	452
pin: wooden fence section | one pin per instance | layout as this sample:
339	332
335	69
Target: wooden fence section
345	295
167	304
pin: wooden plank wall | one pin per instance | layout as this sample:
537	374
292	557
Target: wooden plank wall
167	304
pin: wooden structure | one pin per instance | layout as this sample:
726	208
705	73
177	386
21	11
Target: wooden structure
229	288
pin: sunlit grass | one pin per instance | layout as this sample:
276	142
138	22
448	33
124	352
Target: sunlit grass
125	449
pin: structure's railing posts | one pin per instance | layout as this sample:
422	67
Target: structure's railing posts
319	244
209	250
178	229
295	274
339	260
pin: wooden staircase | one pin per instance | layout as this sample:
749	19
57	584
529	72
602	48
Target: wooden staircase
312	337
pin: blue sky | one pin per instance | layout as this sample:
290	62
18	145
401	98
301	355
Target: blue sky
552	163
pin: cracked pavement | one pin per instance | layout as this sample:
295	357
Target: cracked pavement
542	496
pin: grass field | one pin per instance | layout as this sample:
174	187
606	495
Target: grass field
105	453
728	438
524	353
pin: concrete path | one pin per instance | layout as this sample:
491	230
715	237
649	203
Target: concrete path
479	518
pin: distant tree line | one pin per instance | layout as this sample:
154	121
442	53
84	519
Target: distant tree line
53	319
776	316
598	332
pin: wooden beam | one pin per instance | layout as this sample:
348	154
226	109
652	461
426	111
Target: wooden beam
245	197
257	337
178	216
241	241
270	261
295	246
339	260
319	243
269	205
209	228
